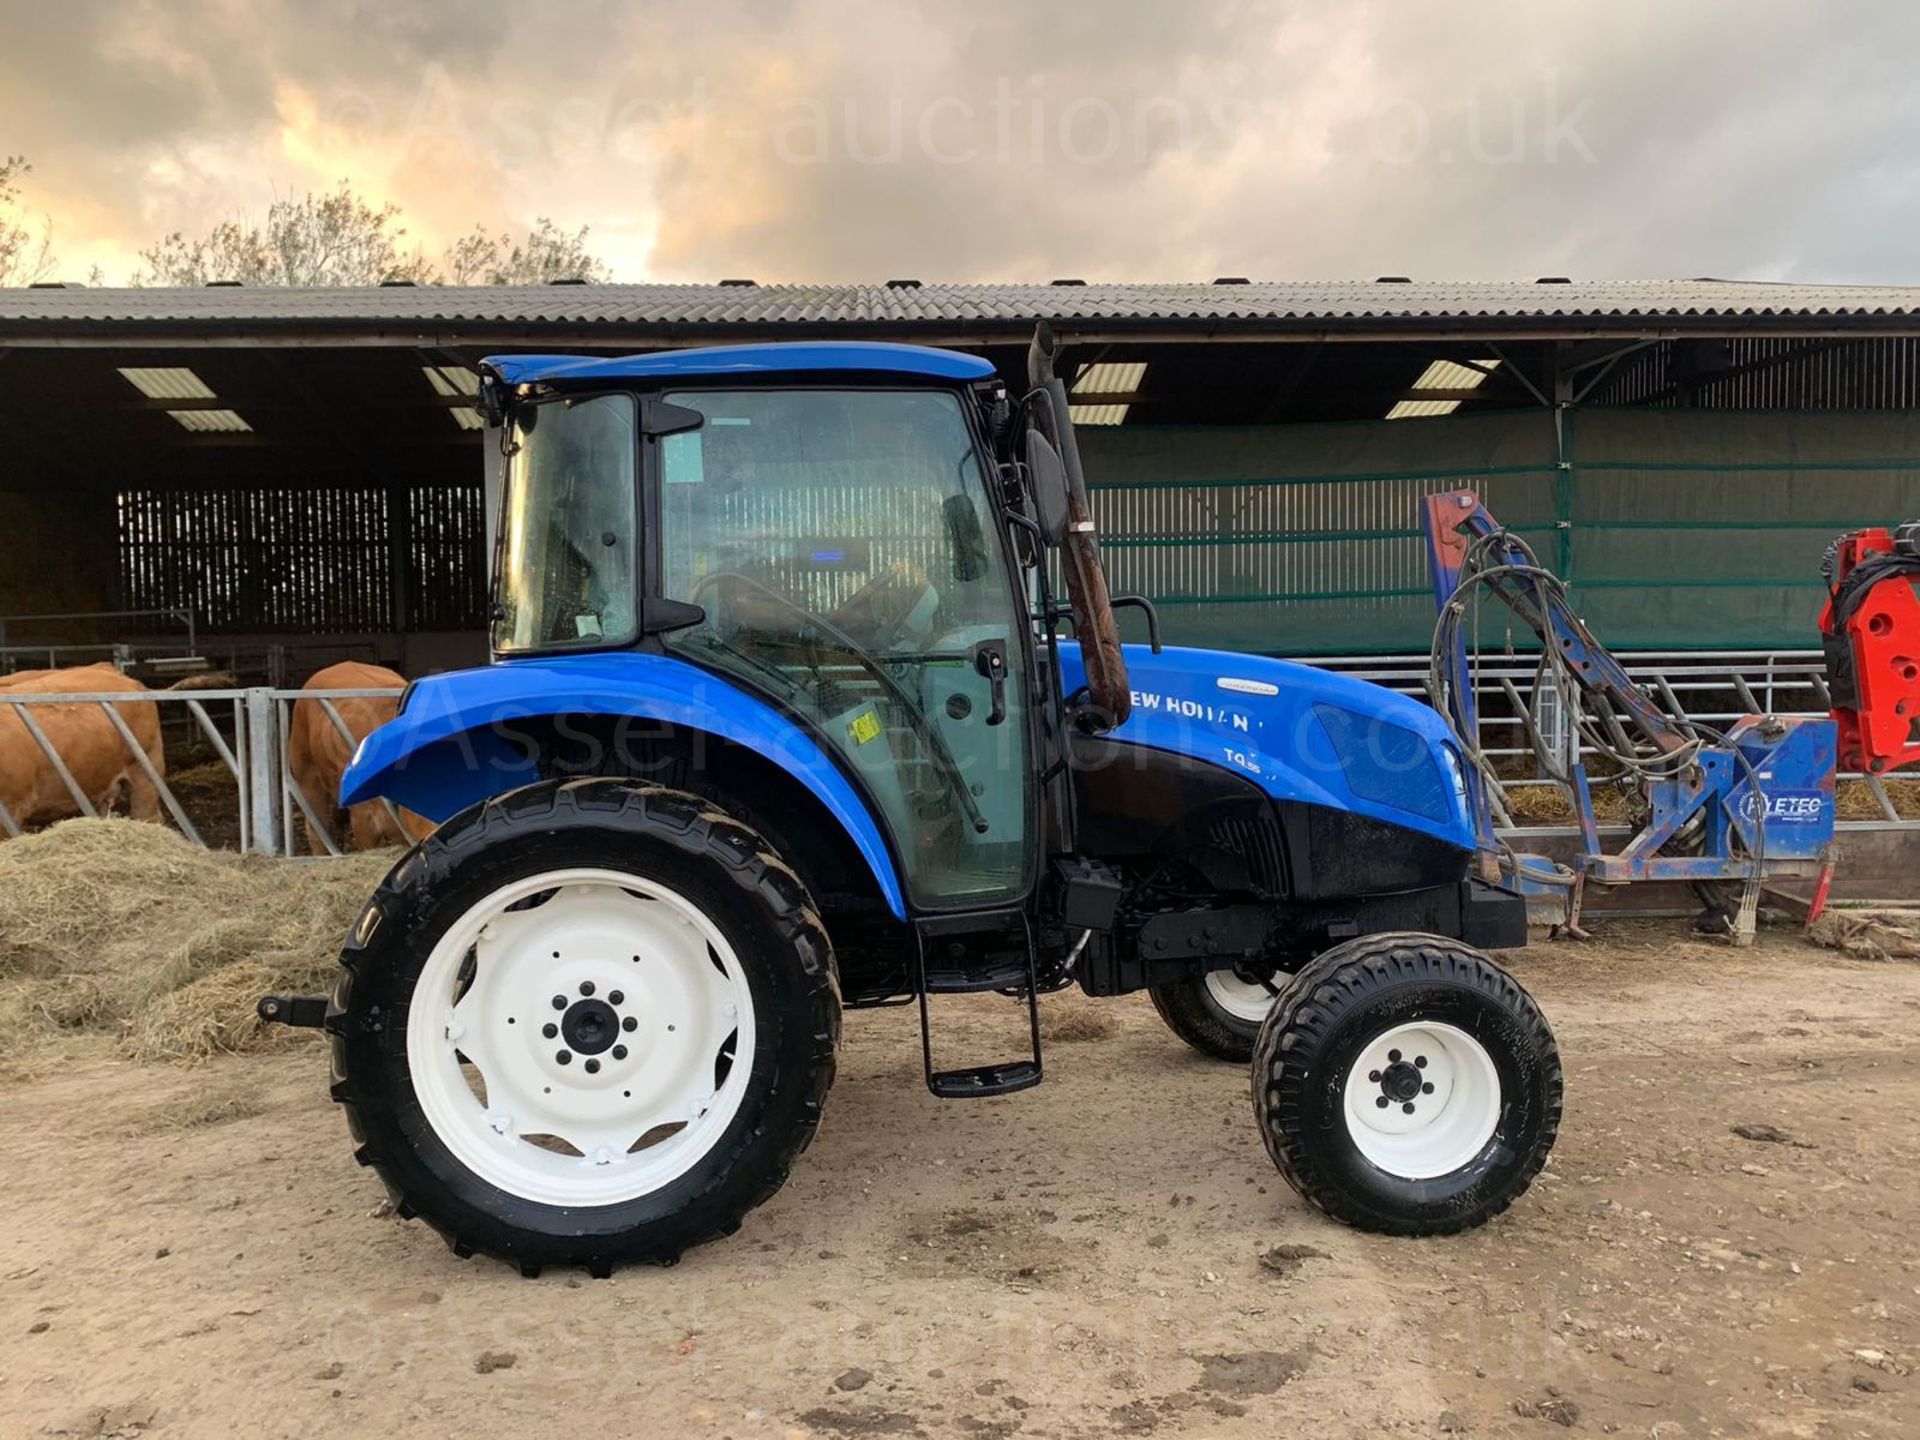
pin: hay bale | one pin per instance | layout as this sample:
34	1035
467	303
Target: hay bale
127	929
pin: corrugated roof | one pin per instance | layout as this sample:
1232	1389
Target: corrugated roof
952	309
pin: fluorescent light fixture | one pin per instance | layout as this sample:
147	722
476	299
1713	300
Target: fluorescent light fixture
1441	375
211	422
453	380
1097	414
167	383
176	382
1111	378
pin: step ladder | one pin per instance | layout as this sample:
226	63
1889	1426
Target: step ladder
1001	1077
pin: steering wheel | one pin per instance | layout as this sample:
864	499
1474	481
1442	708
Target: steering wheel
936	743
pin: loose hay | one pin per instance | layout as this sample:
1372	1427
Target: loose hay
1067	1021
128	929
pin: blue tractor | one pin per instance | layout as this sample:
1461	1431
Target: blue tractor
784	717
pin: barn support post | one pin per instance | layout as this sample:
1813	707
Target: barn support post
263	771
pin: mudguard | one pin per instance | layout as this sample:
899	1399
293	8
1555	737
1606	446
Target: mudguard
451	745
1299	733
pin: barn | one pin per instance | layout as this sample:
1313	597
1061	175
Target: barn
278	478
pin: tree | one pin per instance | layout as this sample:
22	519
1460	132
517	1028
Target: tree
26	254
547	254
339	239
335	239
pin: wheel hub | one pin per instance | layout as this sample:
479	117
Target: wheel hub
1401	1082
590	1026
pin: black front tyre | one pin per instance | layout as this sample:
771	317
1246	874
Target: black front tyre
1218	1013
1408	1085
586	1022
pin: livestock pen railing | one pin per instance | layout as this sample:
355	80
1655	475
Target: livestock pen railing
248	731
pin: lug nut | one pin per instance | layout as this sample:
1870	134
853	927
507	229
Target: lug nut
593	1068
614	997
565	1057
1420	1061
1393	1057
549	1030
1427	1088
1408	1107
629	1024
619	1052
586	987
1373	1074
1380	1102
559	1002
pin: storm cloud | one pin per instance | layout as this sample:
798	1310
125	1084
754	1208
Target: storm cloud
875	139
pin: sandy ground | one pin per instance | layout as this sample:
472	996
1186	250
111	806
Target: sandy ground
192	1251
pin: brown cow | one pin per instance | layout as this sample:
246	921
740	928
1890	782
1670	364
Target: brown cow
87	743
318	755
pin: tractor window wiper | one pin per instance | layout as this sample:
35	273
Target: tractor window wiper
712	640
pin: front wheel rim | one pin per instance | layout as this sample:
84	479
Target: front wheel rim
581	1037
1422	1100
1244	1000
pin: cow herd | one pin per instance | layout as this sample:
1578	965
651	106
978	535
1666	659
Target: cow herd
102	764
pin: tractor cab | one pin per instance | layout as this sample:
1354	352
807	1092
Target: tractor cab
829	541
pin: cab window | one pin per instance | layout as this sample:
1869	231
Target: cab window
567	534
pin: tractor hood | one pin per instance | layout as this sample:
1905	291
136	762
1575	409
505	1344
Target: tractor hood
1297	732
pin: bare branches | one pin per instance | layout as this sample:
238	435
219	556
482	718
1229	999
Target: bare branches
339	239
26	250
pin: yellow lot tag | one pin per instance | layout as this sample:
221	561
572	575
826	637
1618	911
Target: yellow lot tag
864	727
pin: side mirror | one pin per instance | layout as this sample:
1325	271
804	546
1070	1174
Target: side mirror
1047	483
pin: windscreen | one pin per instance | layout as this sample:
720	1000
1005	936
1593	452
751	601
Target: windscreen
567	538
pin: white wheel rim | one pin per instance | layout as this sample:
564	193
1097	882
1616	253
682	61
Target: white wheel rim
1441	1098
1242	999
655	1000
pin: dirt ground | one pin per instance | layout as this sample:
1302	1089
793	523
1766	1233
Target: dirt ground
192	1252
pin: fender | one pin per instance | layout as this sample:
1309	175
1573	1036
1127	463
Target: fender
451	745
1298	733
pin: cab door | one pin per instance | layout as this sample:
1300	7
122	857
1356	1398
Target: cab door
842	550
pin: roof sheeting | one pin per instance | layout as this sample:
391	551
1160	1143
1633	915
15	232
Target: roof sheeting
951	309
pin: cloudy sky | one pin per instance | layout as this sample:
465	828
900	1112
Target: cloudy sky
1121	140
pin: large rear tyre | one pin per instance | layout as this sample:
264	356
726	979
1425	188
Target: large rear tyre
586	1022
1218	1013
1408	1085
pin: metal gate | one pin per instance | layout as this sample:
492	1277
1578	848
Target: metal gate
246	730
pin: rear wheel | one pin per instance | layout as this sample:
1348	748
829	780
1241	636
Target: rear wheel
586	1022
1407	1084
1219	1013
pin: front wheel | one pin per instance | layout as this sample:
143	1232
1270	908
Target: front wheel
587	1022
1219	1013
1408	1085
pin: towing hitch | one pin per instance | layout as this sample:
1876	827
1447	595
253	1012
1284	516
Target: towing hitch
305	1012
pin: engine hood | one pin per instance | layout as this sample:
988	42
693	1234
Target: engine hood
1297	732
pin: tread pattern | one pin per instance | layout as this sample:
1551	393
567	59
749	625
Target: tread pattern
1321	995
699	831
1190	1012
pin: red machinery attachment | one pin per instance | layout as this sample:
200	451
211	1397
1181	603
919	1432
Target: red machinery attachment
1871	631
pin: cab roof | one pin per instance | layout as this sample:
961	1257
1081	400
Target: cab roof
800	358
